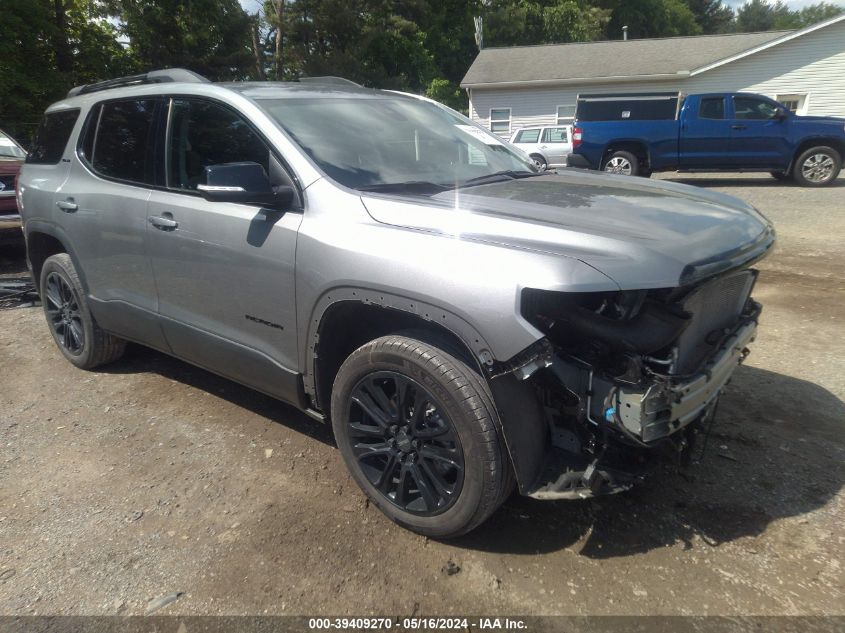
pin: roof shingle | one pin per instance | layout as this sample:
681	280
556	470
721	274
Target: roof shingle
613	58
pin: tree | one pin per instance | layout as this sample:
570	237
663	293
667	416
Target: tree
527	22
650	18
711	15
759	15
46	47
211	37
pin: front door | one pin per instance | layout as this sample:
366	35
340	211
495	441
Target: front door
224	271
759	138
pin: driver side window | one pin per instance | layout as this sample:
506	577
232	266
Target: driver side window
202	134
750	108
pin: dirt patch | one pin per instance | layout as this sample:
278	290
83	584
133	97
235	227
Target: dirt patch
155	478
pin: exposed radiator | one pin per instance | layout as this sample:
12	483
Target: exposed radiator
715	306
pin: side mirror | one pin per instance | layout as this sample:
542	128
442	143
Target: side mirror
780	114
244	183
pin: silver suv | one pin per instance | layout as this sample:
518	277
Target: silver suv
467	324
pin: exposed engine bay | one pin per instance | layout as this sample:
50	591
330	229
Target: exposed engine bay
624	375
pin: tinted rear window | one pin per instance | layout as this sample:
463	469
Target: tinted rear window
52	137
121	146
626	109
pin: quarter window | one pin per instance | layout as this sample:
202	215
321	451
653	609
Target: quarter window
555	135
120	146
204	134
565	114
500	120
712	108
52	137
751	108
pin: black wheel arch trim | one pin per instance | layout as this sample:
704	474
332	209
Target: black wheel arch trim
57	233
522	423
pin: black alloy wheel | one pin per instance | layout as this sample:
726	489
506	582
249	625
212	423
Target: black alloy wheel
64	314
405	444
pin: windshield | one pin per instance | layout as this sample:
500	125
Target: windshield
10	149
395	143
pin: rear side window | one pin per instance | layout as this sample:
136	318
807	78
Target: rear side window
555	135
123	143
527	136
52	137
712	108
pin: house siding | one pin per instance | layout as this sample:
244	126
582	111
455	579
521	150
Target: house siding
813	64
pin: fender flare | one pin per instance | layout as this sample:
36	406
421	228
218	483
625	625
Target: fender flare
56	232
523	426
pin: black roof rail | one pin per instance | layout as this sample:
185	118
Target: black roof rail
340	81
153	77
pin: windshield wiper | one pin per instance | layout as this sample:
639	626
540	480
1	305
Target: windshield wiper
498	176
413	186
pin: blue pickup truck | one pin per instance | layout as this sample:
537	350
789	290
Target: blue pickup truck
638	134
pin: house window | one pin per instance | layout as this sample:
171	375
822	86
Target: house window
796	103
565	114
500	120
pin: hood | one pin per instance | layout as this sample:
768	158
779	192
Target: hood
640	233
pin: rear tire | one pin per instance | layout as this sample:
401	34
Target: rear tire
71	323
817	167
622	162
435	464
539	162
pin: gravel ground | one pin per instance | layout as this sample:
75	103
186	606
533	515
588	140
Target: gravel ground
154	477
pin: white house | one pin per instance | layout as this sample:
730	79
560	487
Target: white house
515	87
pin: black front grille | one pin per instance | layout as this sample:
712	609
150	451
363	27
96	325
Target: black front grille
7	182
716	306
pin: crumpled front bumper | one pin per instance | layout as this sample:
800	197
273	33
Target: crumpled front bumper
639	424
664	409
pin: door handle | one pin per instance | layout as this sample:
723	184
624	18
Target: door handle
68	206
163	222
739	127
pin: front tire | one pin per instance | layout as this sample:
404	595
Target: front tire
622	162
817	167
75	331
418	431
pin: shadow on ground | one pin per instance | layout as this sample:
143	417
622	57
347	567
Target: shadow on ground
776	451
140	359
755	183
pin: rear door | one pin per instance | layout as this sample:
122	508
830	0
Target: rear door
224	271
705	133
103	210
556	144
759	137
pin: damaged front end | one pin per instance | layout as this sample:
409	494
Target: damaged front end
624	377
